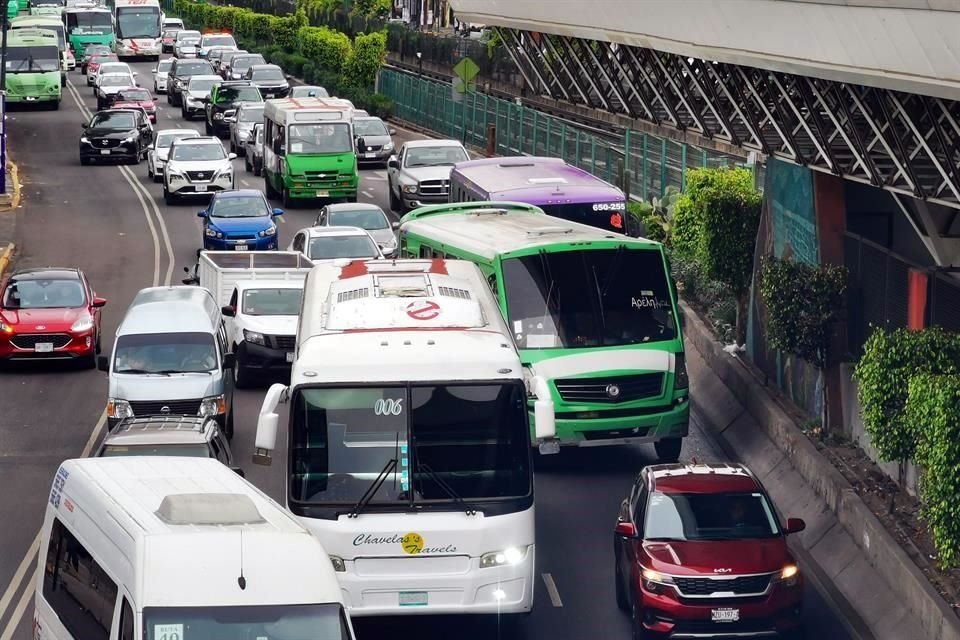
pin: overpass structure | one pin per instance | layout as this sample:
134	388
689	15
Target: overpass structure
868	90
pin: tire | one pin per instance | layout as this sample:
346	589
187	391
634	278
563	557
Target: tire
183	112
96	348
242	378
668	449
257	168
233	147
228	427
55	105
168	197
268	188
150	175
207	128
623	598
246	165
636	624
286	199
395	204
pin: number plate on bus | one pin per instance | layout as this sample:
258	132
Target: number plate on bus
413	598
43	347
239	247
201	188
323	194
290	356
104	152
725	615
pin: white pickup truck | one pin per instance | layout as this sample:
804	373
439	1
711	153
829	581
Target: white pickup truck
260	293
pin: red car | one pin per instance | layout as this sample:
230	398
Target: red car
700	552
133	97
50	314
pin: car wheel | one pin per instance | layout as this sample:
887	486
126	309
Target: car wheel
395	204
169	98
96	347
242	378
638	632
623	598
286	199
150	171
668	449
268	188
168	197
183	112
246	165
233	147
257	168
207	128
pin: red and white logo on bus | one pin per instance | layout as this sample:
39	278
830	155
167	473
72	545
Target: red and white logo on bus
423	310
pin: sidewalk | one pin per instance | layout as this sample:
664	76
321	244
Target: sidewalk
9	203
844	549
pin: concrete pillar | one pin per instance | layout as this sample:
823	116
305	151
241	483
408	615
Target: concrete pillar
831	214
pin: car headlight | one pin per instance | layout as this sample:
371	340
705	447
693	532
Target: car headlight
269	231
680	378
5	328
212	406
82	324
118	409
388	146
131	138
218	116
226	174
410	188
655	581
789	575
85	139
213	233
507	557
253	337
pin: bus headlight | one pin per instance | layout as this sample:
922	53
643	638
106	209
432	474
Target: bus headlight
338	564
680	378
213	406
507	557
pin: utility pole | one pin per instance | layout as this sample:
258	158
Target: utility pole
3	104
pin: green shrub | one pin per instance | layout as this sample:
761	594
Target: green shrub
277	57
328	49
380	106
295	64
803	303
369	54
890	359
933	404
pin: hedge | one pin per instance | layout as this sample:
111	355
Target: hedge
933	404
316	54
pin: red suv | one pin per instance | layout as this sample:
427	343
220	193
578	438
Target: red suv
700	551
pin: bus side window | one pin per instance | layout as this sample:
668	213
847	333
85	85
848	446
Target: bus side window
425	251
492	281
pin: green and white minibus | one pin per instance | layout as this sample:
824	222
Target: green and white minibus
33	67
594	315
50	23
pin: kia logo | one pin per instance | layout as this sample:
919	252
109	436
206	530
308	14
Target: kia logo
722	570
164	409
41	327
613	391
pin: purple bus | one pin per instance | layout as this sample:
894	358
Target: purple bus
560	189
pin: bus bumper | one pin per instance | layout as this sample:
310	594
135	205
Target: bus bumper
497	590
303	192
641	425
31	99
130	50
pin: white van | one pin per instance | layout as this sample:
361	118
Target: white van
162	548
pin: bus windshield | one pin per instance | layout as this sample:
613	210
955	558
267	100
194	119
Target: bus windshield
138	22
588	298
37	59
320	138
471	438
93	22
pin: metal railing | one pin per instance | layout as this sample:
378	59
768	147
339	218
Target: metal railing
649	163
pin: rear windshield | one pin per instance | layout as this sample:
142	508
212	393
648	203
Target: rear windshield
268	75
194	68
176	450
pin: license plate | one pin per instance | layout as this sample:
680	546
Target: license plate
725	615
290	356
369	155
104	152
43	347
201	188
413	598
239	247
323	194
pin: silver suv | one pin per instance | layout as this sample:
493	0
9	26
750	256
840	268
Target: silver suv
420	173
166	435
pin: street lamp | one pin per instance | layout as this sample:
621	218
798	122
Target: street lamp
420	82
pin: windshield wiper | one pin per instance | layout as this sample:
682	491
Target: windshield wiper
144	371
372	490
615	263
469	509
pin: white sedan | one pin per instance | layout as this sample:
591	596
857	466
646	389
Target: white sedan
160	147
330	243
160	75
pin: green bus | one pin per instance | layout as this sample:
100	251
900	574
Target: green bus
13	8
308	150
88	26
33	67
47	23
594	315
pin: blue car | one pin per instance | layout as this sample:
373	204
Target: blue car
239	220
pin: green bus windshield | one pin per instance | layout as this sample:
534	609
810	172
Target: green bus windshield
36	59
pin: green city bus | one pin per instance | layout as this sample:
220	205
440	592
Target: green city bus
13	8
33	67
594	315
88	26
47	23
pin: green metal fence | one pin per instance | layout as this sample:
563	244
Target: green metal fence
651	163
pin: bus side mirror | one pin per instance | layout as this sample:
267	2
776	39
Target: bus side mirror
267	421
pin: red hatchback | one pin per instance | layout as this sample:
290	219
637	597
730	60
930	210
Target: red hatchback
133	97
700	552
49	314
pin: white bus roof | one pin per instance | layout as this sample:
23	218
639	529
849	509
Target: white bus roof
489	229
310	110
399	320
179	520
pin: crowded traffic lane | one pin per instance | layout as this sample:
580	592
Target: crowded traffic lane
108	228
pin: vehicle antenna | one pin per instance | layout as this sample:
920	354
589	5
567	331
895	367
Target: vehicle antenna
241	580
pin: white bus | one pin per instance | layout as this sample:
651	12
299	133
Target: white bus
137	24
163	548
409	446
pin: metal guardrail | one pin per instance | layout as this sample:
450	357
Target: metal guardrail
642	163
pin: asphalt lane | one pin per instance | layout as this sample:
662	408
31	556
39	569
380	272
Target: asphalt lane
113	223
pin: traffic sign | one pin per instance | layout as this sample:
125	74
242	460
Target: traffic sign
466	70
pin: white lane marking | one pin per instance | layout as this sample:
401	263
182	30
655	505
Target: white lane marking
380	174
374	178
139	188
244	182
18	575
19	611
367	193
282	219
552	590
